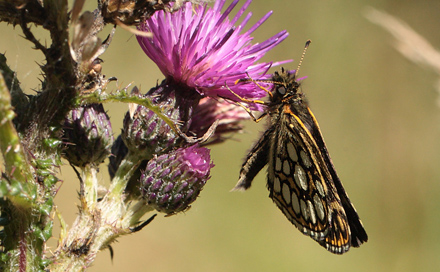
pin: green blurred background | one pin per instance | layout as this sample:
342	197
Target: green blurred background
380	118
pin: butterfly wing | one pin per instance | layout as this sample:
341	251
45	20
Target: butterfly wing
301	184
358	233
255	161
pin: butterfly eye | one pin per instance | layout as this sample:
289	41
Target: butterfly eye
281	90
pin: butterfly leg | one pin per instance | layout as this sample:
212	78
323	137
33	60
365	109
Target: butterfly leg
256	120
250	79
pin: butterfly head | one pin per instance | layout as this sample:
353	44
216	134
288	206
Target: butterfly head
285	85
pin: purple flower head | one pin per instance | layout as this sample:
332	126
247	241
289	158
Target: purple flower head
208	110
172	181
196	160
203	49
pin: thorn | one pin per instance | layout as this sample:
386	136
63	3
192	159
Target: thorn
141	226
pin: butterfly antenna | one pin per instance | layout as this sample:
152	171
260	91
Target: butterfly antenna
302	57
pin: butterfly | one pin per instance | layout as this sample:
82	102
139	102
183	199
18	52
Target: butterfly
301	178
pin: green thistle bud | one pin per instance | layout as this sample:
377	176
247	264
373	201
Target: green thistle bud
88	135
147	134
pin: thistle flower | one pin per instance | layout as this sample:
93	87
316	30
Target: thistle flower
202	54
171	182
88	135
205	51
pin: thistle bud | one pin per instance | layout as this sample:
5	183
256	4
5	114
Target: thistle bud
171	182
88	135
146	133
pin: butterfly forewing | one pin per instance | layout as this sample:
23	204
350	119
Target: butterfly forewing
301	178
297	177
289	175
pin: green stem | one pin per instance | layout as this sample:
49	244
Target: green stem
125	171
135	212
93	231
19	190
17	168
90	186
123	96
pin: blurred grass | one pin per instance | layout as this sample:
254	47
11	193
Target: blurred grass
378	114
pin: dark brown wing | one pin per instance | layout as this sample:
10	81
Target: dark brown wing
255	161
358	233
302	186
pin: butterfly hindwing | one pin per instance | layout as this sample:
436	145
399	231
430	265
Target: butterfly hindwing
255	161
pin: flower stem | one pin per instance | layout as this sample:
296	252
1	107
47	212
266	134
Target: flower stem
89	186
126	169
17	168
122	96
135	212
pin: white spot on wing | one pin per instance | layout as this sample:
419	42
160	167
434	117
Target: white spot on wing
295	203
300	177
286	167
286	193
277	164
305	159
319	207
292	152
312	212
320	188
304	210
276	185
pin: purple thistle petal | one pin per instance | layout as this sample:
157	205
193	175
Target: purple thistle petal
196	160
205	51
240	12
259	23
209	110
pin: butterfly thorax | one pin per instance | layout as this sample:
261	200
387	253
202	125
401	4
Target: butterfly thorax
286	97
